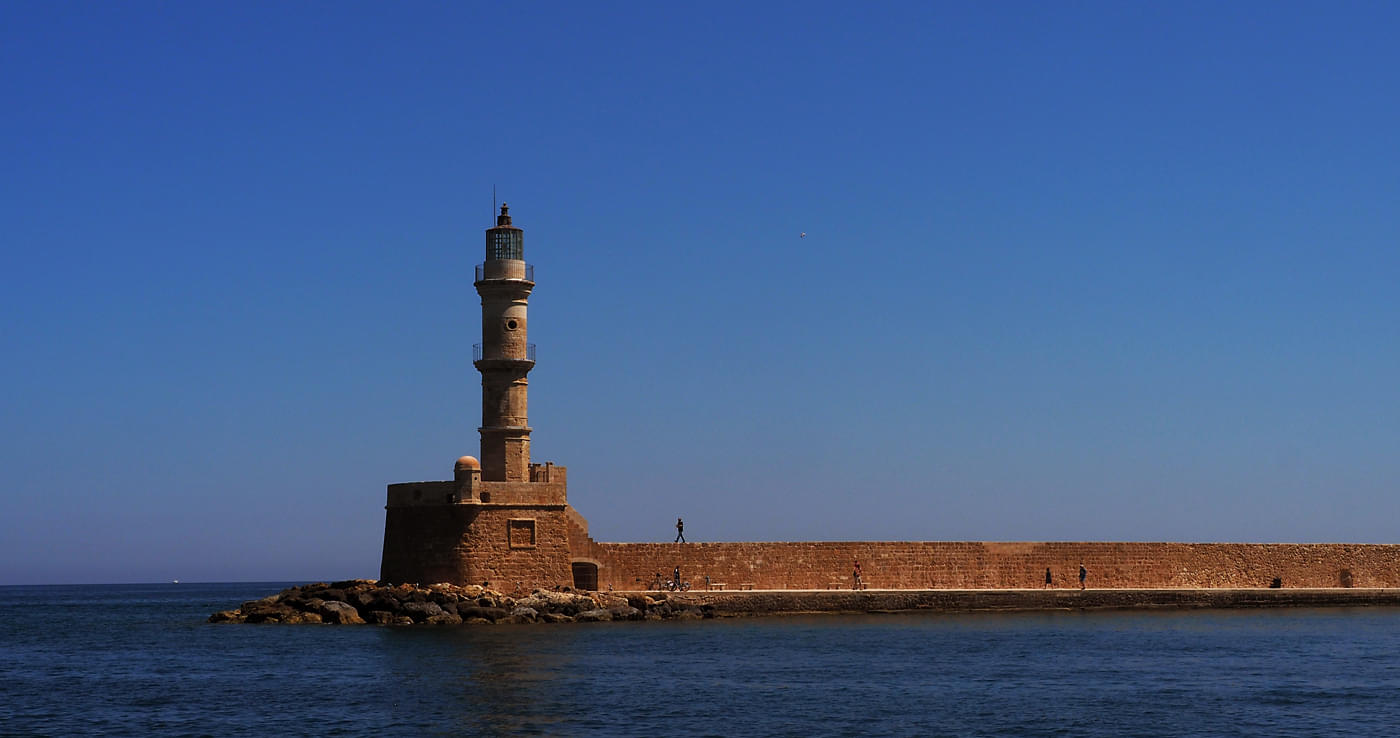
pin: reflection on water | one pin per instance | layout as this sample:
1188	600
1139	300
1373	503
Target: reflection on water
140	661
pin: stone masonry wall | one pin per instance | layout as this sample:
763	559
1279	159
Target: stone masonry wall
525	546
423	544
978	565
471	544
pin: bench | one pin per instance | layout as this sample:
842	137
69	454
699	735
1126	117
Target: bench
746	585
836	585
718	585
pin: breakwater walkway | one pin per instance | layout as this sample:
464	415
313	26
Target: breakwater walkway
792	602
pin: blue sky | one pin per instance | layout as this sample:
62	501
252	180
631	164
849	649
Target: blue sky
1073	271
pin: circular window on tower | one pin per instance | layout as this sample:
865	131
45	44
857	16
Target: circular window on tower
512	324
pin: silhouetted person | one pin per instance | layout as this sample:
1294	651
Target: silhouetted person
1083	573
855	577
680	531
1048	580
677	579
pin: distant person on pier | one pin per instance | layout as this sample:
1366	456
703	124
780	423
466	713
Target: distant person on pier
677	580
855	577
1048	580
680	531
1083	573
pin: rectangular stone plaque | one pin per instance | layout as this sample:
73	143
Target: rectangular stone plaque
521	533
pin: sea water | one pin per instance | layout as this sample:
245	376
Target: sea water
141	660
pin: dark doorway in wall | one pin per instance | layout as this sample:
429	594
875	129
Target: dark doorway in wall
585	575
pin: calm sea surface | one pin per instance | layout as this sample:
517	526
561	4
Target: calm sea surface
140	660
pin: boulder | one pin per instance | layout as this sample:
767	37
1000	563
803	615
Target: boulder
364	599
421	610
335	611
279	614
227	616
265	610
610	601
491	614
447	618
266	602
380	600
381	617
308	604
442	598
593	616
625	612
301	601
560	602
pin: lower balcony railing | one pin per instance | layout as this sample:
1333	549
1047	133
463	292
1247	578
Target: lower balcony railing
529	273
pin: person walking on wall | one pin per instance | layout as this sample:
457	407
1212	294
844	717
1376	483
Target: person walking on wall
680	531
1047	577
855	577
1083	573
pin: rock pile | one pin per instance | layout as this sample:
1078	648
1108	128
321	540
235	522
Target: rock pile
359	601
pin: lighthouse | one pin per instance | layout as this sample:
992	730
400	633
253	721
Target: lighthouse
500	519
505	356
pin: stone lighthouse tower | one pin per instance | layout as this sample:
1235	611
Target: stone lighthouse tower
504	356
500	519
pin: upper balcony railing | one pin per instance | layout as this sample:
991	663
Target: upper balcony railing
529	273
479	353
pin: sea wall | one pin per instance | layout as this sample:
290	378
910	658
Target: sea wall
794	602
999	565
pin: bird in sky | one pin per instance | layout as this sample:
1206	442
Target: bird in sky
802	234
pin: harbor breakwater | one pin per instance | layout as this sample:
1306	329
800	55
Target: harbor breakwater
357	602
361	601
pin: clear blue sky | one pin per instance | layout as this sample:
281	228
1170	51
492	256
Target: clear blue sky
1073	271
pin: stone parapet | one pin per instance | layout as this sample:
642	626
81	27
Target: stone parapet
1001	565
472	491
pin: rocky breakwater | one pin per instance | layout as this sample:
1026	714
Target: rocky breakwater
361	601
